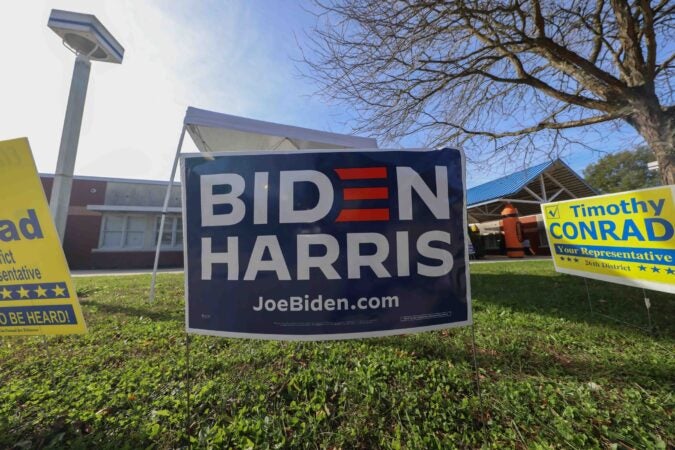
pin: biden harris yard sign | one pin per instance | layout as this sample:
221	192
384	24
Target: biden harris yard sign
626	238
36	293
314	245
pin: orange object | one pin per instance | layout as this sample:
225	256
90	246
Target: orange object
513	233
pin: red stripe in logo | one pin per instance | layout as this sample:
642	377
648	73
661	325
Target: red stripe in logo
375	193
363	215
362	173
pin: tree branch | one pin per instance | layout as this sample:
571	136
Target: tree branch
539	127
665	64
650	37
628	35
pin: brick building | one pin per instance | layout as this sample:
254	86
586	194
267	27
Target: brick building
113	223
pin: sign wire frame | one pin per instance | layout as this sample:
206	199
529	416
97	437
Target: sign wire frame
49	359
651	327
470	320
188	388
484	418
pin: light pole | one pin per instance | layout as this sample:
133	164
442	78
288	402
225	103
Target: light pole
85	36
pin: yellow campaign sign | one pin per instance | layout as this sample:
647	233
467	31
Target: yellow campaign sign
37	295
626	238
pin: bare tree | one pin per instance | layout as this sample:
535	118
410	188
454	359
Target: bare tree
502	78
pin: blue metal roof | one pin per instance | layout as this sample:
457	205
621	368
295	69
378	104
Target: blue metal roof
505	186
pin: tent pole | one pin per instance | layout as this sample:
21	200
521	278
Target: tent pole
167	196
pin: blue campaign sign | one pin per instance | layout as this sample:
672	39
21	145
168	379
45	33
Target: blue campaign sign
314	245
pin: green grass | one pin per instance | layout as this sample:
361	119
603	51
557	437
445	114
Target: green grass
552	376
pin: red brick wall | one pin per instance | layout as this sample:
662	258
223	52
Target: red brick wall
84	228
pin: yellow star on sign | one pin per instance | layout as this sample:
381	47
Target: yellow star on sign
6	293
40	291
23	293
58	291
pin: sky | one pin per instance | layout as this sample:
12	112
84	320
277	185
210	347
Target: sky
236	57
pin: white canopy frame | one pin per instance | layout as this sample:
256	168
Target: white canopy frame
215	132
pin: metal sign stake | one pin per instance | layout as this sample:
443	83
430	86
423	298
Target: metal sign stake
484	417
648	305
188	414
49	359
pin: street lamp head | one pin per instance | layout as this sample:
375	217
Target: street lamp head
86	36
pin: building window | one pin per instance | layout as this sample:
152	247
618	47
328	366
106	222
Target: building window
113	230
135	232
172	235
121	231
140	232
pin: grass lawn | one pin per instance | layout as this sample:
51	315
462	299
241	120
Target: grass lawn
552	376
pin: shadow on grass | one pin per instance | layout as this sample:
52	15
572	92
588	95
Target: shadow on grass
564	296
165	314
551	297
73	436
522	360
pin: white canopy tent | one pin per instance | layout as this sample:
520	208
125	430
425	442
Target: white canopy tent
217	132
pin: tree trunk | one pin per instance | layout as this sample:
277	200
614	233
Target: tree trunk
657	127
665	155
